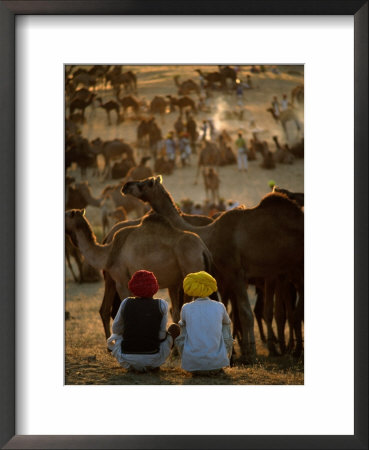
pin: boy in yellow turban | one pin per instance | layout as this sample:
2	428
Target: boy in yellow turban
205	343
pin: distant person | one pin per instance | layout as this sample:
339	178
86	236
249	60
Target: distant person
185	149
249	82
170	147
204	129
140	340
197	209
284	102
239	92
241	153
205	342
275	106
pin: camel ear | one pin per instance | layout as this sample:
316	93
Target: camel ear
159	179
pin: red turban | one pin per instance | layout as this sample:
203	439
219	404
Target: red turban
143	284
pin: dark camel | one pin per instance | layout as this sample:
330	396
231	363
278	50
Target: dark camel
261	242
81	104
109	106
182	102
186	87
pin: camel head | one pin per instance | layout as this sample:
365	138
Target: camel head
145	189
74	218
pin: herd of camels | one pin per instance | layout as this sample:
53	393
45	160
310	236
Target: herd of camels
263	245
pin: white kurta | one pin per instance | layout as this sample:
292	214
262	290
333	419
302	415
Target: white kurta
204	347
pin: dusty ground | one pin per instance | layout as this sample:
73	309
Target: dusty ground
86	358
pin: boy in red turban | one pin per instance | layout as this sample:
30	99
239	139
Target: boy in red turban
141	341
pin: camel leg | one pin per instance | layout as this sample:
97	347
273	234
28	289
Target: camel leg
268	314
280	313
246	318
290	306
175	301
258	312
107	303
70	266
298	317
79	260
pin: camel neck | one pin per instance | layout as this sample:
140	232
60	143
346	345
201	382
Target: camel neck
96	255
166	208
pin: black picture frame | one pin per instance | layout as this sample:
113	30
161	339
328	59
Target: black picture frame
8	11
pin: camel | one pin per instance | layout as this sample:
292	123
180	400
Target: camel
209	156
158	105
81	94
268	159
81	104
163	165
80	196
211	183
129	102
186	87
149	128
129	203
77	150
141	171
179	125
120	168
297	94
182	102
282	154
288	115
228	73
298	197
153	245
261	242
109	106
113	150
297	149
84	78
111	300
211	78
87	274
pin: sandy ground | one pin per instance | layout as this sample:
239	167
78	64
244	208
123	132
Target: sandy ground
87	361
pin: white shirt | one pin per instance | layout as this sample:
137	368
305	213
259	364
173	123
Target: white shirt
204	347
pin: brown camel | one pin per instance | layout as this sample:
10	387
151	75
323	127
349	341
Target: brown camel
141	171
211	183
158	105
298	197
129	102
81	94
152	245
288	115
182	102
282	154
81	104
111	300
129	203
211	78
209	156
265	242
113	150
109	106
186	87
87	274
80	196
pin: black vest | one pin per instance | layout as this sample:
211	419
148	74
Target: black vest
141	324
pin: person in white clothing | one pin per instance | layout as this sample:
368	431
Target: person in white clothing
140	340
205	342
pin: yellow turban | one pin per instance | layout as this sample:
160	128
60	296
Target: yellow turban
199	284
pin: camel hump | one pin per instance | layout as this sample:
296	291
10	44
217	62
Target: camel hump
279	200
